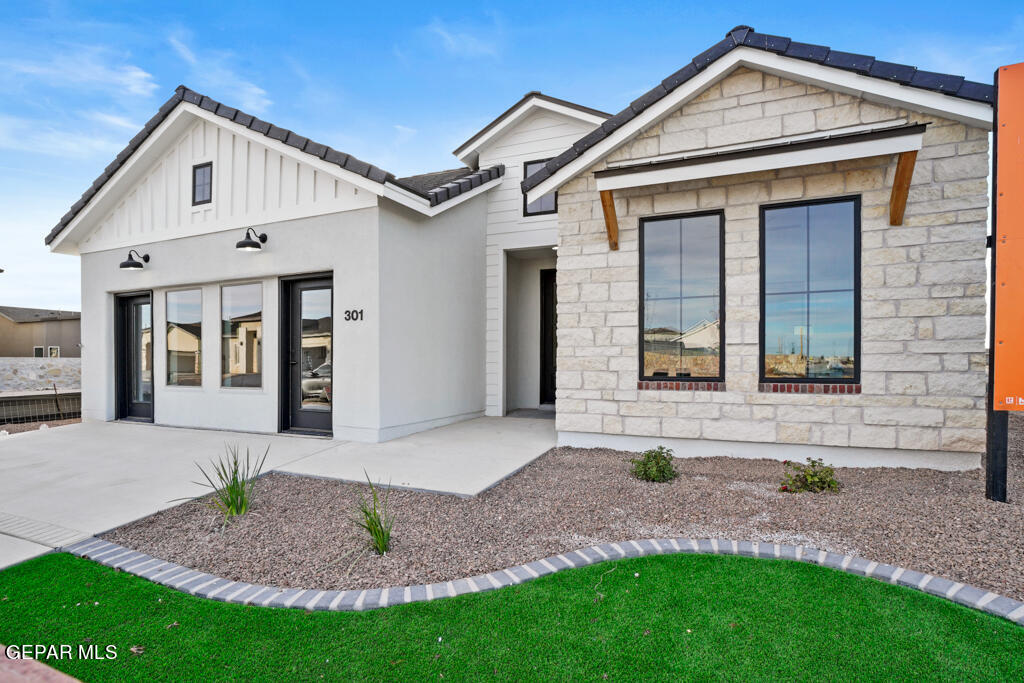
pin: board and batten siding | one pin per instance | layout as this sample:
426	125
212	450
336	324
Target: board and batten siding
540	135
252	185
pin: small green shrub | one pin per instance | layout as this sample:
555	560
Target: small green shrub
654	465
235	481
376	518
815	477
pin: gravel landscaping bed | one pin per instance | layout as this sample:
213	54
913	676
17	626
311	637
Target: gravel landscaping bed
301	531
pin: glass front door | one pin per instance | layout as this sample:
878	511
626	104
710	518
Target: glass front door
309	323
134	345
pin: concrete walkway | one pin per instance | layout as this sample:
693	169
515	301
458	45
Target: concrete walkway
464	459
64	484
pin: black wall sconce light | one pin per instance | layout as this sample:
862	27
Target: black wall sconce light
253	243
131	264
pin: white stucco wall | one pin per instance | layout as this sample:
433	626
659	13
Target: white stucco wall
345	243
432	316
522	311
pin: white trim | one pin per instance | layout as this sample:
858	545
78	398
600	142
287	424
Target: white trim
841	456
466	150
713	168
972	113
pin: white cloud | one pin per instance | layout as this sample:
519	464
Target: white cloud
31	135
974	58
468	41
84	67
404	134
112	120
211	70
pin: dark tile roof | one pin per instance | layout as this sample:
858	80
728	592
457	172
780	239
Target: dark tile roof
745	36
183	94
528	96
448	187
425	182
35	315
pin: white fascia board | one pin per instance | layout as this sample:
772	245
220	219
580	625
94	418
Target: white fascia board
406	198
976	114
139	159
525	109
713	168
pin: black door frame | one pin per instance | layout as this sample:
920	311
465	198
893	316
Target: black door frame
122	323
285	394
548	339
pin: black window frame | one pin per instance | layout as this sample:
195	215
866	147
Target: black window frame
762	348
527	213
196	167
721	296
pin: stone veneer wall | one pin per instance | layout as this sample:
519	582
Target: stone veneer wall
40	374
923	373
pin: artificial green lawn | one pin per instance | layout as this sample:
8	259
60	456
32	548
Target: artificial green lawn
685	616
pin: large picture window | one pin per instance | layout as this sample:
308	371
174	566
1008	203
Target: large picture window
185	338
681	287
241	335
810	291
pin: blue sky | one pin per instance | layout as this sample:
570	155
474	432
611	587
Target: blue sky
397	84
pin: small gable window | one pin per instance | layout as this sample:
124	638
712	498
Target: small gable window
542	205
202	183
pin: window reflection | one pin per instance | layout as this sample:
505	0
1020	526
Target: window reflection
241	335
315	355
682	297
185	338
808	317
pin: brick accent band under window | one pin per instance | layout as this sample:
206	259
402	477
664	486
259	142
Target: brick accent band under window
801	388
661	385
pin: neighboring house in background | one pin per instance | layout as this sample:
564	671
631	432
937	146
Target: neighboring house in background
776	252
38	332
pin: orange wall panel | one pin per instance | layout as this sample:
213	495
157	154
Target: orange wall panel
1008	391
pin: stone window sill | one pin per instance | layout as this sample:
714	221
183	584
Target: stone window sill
677	385
807	388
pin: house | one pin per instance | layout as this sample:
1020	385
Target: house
39	333
778	251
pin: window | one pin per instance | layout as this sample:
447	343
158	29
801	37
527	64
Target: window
543	205
681	296
53	351
810	292
38	352
185	338
202	183
241	309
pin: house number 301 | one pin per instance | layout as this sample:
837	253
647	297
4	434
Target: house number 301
354	314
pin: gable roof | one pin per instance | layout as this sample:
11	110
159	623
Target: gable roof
36	315
745	36
534	97
345	161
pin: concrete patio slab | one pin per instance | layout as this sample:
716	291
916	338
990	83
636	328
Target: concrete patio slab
83	479
464	459
14	550
64	484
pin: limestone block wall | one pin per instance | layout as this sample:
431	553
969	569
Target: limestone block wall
923	357
39	374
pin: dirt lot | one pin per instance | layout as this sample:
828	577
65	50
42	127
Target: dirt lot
32	426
